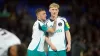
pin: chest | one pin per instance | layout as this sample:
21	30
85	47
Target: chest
59	24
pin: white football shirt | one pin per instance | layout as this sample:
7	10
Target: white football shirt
58	38
38	36
7	39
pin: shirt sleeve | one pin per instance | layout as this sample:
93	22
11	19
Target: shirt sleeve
46	34
43	27
66	25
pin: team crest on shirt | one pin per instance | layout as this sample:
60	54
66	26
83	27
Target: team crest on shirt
59	24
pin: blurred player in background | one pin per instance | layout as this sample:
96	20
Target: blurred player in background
7	39
57	45
36	47
17	50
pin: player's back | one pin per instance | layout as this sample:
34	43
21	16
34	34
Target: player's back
7	39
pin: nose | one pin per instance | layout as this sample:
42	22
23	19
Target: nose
54	11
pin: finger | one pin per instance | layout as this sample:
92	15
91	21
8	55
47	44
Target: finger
68	49
55	50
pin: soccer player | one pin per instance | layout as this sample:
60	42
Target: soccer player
7	39
57	45
17	50
36	47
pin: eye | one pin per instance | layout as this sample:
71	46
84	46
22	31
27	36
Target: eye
52	9
44	13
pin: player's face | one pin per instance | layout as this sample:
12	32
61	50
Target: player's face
54	11
42	15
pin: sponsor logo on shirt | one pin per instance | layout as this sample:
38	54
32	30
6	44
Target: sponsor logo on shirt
51	26
59	30
59	24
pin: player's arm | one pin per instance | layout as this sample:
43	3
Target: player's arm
49	43
50	30
68	36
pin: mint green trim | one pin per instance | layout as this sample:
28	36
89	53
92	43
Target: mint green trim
44	28
66	28
57	53
35	53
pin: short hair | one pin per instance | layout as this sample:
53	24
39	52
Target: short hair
8	53
39	10
54	5
21	50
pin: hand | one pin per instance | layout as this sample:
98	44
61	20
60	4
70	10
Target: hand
55	20
53	48
68	47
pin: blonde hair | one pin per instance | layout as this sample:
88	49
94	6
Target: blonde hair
54	5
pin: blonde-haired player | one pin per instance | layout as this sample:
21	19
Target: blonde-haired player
57	45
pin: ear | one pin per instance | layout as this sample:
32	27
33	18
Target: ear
38	15
58	10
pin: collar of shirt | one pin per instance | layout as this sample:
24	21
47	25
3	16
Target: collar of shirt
42	21
52	19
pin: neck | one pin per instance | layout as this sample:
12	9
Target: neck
54	17
41	20
38	18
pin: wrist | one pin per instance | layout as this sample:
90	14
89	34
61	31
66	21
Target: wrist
69	44
51	45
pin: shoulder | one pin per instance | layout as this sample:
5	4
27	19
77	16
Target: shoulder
62	18
3	32
36	23
48	20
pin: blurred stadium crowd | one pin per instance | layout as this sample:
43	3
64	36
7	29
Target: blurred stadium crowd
83	16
